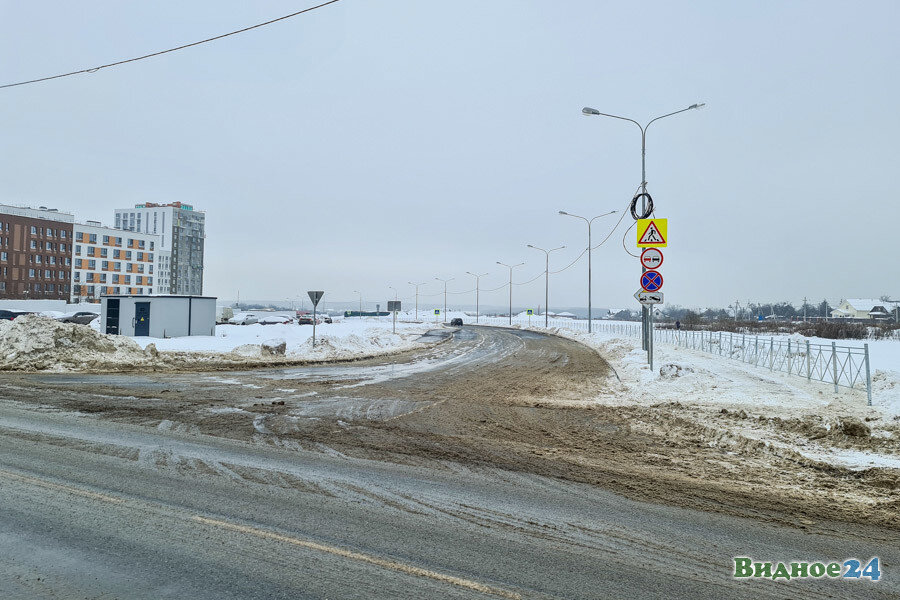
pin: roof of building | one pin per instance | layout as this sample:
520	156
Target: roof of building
869	303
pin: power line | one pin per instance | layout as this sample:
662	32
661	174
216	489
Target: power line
137	58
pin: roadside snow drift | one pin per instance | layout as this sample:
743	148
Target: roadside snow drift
38	343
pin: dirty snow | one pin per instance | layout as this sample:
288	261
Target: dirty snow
36	343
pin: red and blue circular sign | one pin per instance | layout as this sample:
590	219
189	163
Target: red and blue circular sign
651	281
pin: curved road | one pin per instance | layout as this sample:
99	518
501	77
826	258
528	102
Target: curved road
432	475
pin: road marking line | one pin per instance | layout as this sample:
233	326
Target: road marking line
58	486
372	560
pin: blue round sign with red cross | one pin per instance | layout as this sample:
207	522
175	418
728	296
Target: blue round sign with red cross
651	281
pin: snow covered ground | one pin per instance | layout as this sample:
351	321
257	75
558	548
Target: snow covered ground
38	343
784	412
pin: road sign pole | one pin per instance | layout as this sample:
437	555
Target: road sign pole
395	322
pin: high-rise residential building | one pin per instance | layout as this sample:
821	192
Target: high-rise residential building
182	232
112	261
35	253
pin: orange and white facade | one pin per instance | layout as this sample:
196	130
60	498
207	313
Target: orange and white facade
107	261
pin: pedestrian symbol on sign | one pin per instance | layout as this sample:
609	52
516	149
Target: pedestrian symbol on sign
651	233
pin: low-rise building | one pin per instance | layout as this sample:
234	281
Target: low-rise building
35	253
107	261
865	308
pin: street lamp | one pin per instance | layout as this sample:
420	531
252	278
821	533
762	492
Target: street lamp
445	294
546	278
510	267
395	291
416	285
647	315
588	221
360	302
477	277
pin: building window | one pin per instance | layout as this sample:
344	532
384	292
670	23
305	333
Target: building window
51	260
79	237
2	286
48	246
117	253
141	244
104	265
92	238
90	290
140	256
102	277
4	256
62	233
92	265
33	245
105	239
38	259
49	232
117	266
62	247
103	253
128	255
47	274
33	230
68	261
77	249
61	274
31	272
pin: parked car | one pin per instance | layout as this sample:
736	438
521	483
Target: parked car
457	322
80	317
243	319
327	319
276	320
304	320
9	315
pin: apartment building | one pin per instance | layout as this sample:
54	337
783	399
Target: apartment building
107	261
35	253
182	232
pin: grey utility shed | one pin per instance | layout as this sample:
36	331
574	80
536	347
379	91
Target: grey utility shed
158	316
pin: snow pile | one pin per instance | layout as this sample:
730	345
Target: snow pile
34	342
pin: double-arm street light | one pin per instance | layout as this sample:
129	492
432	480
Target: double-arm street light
588	221
510	267
546	278
360	302
416	285
477	277
647	314
445	294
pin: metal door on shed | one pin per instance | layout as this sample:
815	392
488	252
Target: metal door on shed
112	316
141	319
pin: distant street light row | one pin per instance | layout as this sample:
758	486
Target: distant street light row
647	324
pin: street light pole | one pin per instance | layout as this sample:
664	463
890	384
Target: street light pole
546	279
589	250
647	314
510	267
360	302
477	277
445	294
416	285
395	291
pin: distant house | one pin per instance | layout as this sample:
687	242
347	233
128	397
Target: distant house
864	308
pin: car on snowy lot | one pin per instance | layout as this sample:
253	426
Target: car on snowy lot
243	319
457	322
276	320
304	320
81	317
9	315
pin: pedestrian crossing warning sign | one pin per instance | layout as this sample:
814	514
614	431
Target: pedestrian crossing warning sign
652	233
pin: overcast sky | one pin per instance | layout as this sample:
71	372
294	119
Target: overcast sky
368	144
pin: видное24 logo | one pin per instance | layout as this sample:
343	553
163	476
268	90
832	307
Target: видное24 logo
850	568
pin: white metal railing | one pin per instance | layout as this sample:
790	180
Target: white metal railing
841	366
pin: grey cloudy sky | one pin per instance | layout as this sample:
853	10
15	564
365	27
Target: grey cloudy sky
368	144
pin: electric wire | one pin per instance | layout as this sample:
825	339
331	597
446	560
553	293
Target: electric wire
182	47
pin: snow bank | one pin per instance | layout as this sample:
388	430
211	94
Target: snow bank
37	343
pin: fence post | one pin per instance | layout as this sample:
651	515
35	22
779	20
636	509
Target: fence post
771	353
868	377
744	347
808	372
834	365
789	357
730	345
756	351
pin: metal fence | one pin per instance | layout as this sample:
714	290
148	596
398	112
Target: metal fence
841	366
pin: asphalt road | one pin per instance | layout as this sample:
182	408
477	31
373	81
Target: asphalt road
92	507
